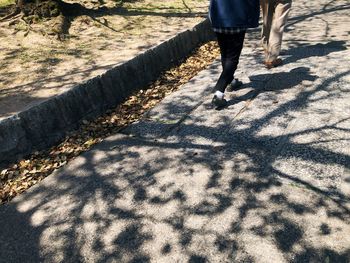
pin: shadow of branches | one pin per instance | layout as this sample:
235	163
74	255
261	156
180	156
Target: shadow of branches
261	180
208	191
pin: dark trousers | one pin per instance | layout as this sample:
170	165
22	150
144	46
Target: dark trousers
230	47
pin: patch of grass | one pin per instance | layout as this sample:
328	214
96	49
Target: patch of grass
40	55
21	26
4	3
48	55
29	57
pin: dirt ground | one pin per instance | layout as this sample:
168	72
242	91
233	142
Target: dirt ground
35	65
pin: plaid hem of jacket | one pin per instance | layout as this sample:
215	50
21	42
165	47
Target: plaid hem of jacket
229	30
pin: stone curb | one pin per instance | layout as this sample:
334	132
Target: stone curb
48	122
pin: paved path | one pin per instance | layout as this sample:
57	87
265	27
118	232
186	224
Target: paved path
265	180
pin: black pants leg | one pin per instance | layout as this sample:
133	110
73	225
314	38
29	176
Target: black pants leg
230	47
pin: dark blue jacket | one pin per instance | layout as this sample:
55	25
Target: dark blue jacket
234	13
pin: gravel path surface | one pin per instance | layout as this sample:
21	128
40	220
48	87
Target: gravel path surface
265	180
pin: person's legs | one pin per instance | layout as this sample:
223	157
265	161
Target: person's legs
230	47
267	7
282	10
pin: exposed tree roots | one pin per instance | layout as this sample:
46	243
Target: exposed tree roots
14	13
61	14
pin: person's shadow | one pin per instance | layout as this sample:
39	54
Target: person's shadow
318	50
273	82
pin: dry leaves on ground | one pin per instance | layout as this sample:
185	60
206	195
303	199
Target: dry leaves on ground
27	172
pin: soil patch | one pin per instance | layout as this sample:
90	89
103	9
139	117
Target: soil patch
35	65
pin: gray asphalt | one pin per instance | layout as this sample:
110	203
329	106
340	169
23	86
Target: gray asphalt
265	180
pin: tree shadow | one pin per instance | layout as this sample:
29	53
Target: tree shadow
14	240
245	185
273	82
200	193
316	50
